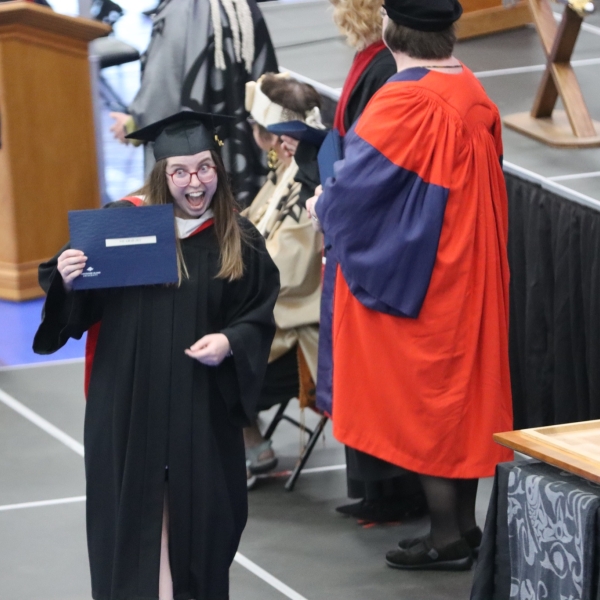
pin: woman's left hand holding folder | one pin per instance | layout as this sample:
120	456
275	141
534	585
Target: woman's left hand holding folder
70	265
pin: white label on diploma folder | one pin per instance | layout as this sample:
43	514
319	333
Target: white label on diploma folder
131	241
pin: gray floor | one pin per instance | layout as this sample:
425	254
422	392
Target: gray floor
296	537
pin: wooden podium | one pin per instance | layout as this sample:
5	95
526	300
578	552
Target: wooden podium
481	17
48	162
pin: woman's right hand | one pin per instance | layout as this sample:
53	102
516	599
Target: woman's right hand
310	209
70	265
289	145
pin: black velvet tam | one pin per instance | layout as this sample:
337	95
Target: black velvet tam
424	15
183	134
299	131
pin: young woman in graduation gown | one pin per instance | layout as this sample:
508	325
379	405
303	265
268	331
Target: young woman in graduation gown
279	213
175	377
418	271
387	492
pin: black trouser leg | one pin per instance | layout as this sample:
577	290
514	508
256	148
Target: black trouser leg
467	494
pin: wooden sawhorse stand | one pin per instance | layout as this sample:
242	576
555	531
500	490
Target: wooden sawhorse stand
573	127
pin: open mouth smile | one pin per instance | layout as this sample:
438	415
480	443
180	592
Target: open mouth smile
195	199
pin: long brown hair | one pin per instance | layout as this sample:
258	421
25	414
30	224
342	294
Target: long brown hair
227	228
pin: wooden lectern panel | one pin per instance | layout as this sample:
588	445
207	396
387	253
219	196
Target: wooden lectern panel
470	6
46	21
574	447
481	17
48	162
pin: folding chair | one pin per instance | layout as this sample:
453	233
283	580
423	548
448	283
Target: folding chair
313	436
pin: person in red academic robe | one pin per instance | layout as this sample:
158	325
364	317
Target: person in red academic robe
416	282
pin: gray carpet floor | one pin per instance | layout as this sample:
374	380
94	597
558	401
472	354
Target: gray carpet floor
296	537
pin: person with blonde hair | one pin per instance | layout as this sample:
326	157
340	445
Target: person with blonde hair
373	65
386	492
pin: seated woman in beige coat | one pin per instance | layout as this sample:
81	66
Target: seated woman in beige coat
279	213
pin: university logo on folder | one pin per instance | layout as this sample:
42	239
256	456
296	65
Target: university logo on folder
125	247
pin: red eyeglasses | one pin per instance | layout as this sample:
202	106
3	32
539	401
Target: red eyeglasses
182	178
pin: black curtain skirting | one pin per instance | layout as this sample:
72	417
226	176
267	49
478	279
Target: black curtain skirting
554	254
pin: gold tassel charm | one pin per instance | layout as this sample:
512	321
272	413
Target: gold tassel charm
272	159
219	141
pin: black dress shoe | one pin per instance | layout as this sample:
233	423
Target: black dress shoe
472	537
386	511
350	510
456	556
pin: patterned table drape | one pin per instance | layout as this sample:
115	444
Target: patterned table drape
541	536
551	530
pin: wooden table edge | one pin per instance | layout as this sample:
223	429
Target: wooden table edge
568	461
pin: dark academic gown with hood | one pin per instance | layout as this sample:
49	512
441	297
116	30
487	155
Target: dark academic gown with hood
150	407
367	476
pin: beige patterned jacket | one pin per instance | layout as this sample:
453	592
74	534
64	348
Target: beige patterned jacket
295	247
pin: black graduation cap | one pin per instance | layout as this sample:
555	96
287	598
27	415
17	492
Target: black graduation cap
424	15
299	130
183	134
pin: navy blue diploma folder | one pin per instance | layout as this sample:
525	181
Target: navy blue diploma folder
132	246
299	131
332	150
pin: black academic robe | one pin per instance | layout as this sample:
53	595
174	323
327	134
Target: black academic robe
378	71
308	171
150	407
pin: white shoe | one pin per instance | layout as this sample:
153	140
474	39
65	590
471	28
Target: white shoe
250	477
